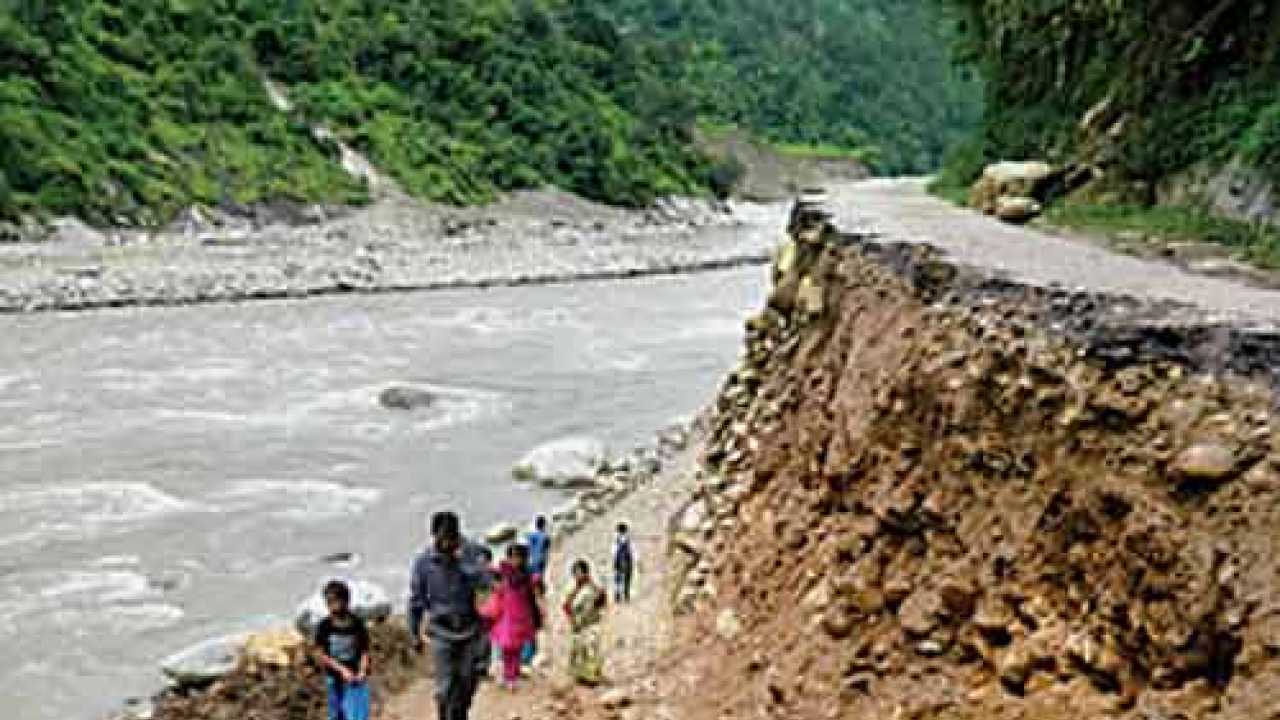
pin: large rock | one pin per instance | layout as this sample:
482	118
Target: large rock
567	463
1238	190
205	662
1009	180
273	648
369	601
406	397
1205	461
501	533
1017	209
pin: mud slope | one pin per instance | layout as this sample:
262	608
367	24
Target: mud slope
933	494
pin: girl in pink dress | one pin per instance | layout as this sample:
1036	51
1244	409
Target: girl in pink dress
519	593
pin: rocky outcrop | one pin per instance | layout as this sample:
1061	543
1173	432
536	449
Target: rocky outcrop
940	493
277	680
1012	191
1237	191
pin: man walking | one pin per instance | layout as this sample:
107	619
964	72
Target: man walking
443	593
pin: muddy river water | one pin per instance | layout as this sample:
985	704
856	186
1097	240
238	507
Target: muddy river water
171	474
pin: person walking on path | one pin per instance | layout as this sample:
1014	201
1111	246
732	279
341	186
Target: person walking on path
342	649
624	564
443	590
539	542
519	614
584	606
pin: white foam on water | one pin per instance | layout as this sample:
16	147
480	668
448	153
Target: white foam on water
454	406
295	500
117	620
117	561
78	511
503	321
111	599
96	588
8	381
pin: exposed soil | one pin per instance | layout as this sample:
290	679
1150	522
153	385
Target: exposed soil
948	511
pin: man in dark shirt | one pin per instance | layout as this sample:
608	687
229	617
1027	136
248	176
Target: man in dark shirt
443	594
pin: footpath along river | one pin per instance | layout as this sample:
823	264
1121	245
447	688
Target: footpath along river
171	474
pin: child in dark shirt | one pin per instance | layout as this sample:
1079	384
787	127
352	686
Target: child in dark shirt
342	648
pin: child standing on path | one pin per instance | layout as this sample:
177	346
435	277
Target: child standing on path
623	564
342	648
520	616
539	542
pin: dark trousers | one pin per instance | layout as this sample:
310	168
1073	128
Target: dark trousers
622	583
456	677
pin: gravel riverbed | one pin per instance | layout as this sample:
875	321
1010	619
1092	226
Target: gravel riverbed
396	244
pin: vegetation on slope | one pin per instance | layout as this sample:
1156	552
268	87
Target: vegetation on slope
851	74
1144	89
124	111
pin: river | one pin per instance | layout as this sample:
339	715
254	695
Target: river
167	475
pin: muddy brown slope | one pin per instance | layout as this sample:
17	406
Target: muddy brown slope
936	495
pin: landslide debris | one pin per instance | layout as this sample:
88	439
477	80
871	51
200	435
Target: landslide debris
933	494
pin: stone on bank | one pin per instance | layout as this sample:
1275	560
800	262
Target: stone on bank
565	464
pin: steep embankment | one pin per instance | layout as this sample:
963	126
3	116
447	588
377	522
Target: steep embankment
938	494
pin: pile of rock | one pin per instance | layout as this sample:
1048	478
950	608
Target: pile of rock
211	660
1012	191
598	481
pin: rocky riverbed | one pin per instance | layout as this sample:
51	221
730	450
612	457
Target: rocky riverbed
396	244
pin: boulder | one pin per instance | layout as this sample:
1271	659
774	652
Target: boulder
370	602
205	662
501	533
1209	460
1017	208
405	397
274	648
566	463
1009	179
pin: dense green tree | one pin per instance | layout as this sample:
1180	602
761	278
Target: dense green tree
851	73
123	111
1143	87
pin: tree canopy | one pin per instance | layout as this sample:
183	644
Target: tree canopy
124	111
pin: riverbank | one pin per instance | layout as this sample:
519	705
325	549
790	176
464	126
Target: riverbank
275	680
398	244
636	635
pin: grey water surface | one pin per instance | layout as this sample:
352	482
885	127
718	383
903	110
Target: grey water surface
171	474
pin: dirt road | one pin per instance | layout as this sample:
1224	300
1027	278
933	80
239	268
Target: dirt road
902	210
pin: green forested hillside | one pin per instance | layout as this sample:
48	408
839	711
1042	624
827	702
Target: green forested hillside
128	109
1142	88
848	73
124	111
